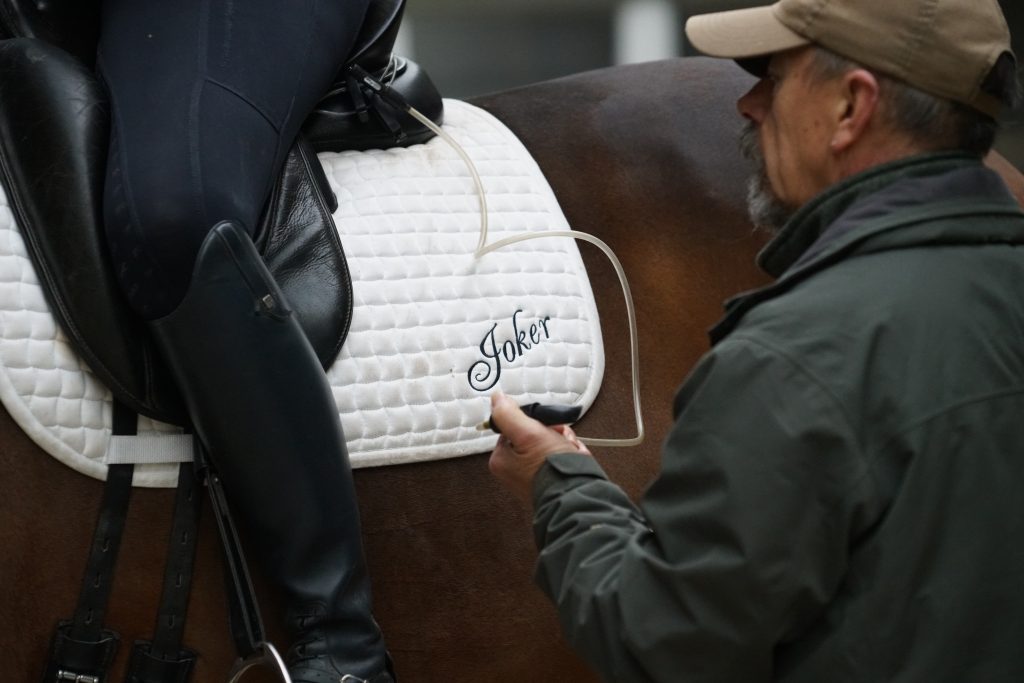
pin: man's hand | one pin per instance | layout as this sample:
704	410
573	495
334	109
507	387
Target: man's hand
524	445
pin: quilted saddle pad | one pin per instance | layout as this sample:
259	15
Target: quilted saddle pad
434	330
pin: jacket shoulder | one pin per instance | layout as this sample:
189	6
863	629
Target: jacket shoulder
898	333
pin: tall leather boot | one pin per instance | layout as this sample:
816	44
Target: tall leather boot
261	404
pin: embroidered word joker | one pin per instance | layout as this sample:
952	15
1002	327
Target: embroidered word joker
484	374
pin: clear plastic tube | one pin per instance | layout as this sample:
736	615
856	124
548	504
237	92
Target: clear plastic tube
482	249
481	195
630	311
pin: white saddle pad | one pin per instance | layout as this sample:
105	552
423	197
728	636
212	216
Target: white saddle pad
434	331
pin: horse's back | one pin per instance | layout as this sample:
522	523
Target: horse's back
643	157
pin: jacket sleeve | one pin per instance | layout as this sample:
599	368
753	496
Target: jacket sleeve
735	547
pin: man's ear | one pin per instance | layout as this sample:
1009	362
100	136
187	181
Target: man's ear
856	106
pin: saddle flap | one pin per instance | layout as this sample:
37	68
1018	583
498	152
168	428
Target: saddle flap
54	136
305	257
54	130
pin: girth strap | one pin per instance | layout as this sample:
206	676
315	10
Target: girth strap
99	576
178	575
163	659
82	649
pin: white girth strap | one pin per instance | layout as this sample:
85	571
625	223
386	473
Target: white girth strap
148	449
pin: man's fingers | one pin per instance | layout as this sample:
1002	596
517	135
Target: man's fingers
570	436
524	445
512	421
528	434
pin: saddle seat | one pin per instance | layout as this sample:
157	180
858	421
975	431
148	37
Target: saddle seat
54	131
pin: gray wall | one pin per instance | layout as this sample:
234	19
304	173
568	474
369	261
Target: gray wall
482	47
472	47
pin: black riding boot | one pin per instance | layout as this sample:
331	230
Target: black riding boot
260	402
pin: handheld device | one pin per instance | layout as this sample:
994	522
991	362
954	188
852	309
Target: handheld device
545	413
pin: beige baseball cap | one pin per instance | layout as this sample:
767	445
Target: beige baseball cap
943	47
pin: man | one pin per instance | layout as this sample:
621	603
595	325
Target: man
840	496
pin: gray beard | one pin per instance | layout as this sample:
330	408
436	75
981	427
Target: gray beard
766	210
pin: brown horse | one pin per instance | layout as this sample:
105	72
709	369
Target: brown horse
642	156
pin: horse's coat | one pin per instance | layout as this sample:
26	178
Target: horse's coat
642	156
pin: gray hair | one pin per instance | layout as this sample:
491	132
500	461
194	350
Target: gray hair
934	123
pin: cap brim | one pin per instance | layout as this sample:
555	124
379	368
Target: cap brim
741	33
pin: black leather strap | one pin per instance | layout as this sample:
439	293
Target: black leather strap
80	661
163	660
178	575
82	648
147	667
243	611
353	115
99	575
95	592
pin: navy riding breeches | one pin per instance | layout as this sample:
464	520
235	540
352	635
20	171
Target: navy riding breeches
207	97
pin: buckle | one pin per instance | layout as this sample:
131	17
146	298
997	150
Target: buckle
63	675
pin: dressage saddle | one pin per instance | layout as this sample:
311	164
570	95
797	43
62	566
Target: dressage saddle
54	129
54	137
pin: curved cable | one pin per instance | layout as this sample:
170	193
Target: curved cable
482	249
634	351
481	195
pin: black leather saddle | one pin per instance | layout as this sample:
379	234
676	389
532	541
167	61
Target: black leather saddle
54	129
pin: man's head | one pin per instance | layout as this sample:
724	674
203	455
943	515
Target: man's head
849	84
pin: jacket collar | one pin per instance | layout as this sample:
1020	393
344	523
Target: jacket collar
862	213
858	201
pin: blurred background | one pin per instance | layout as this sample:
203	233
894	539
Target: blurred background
472	47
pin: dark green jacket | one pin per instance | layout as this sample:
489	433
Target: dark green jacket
841	497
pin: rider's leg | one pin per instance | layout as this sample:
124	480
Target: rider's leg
206	99
258	396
